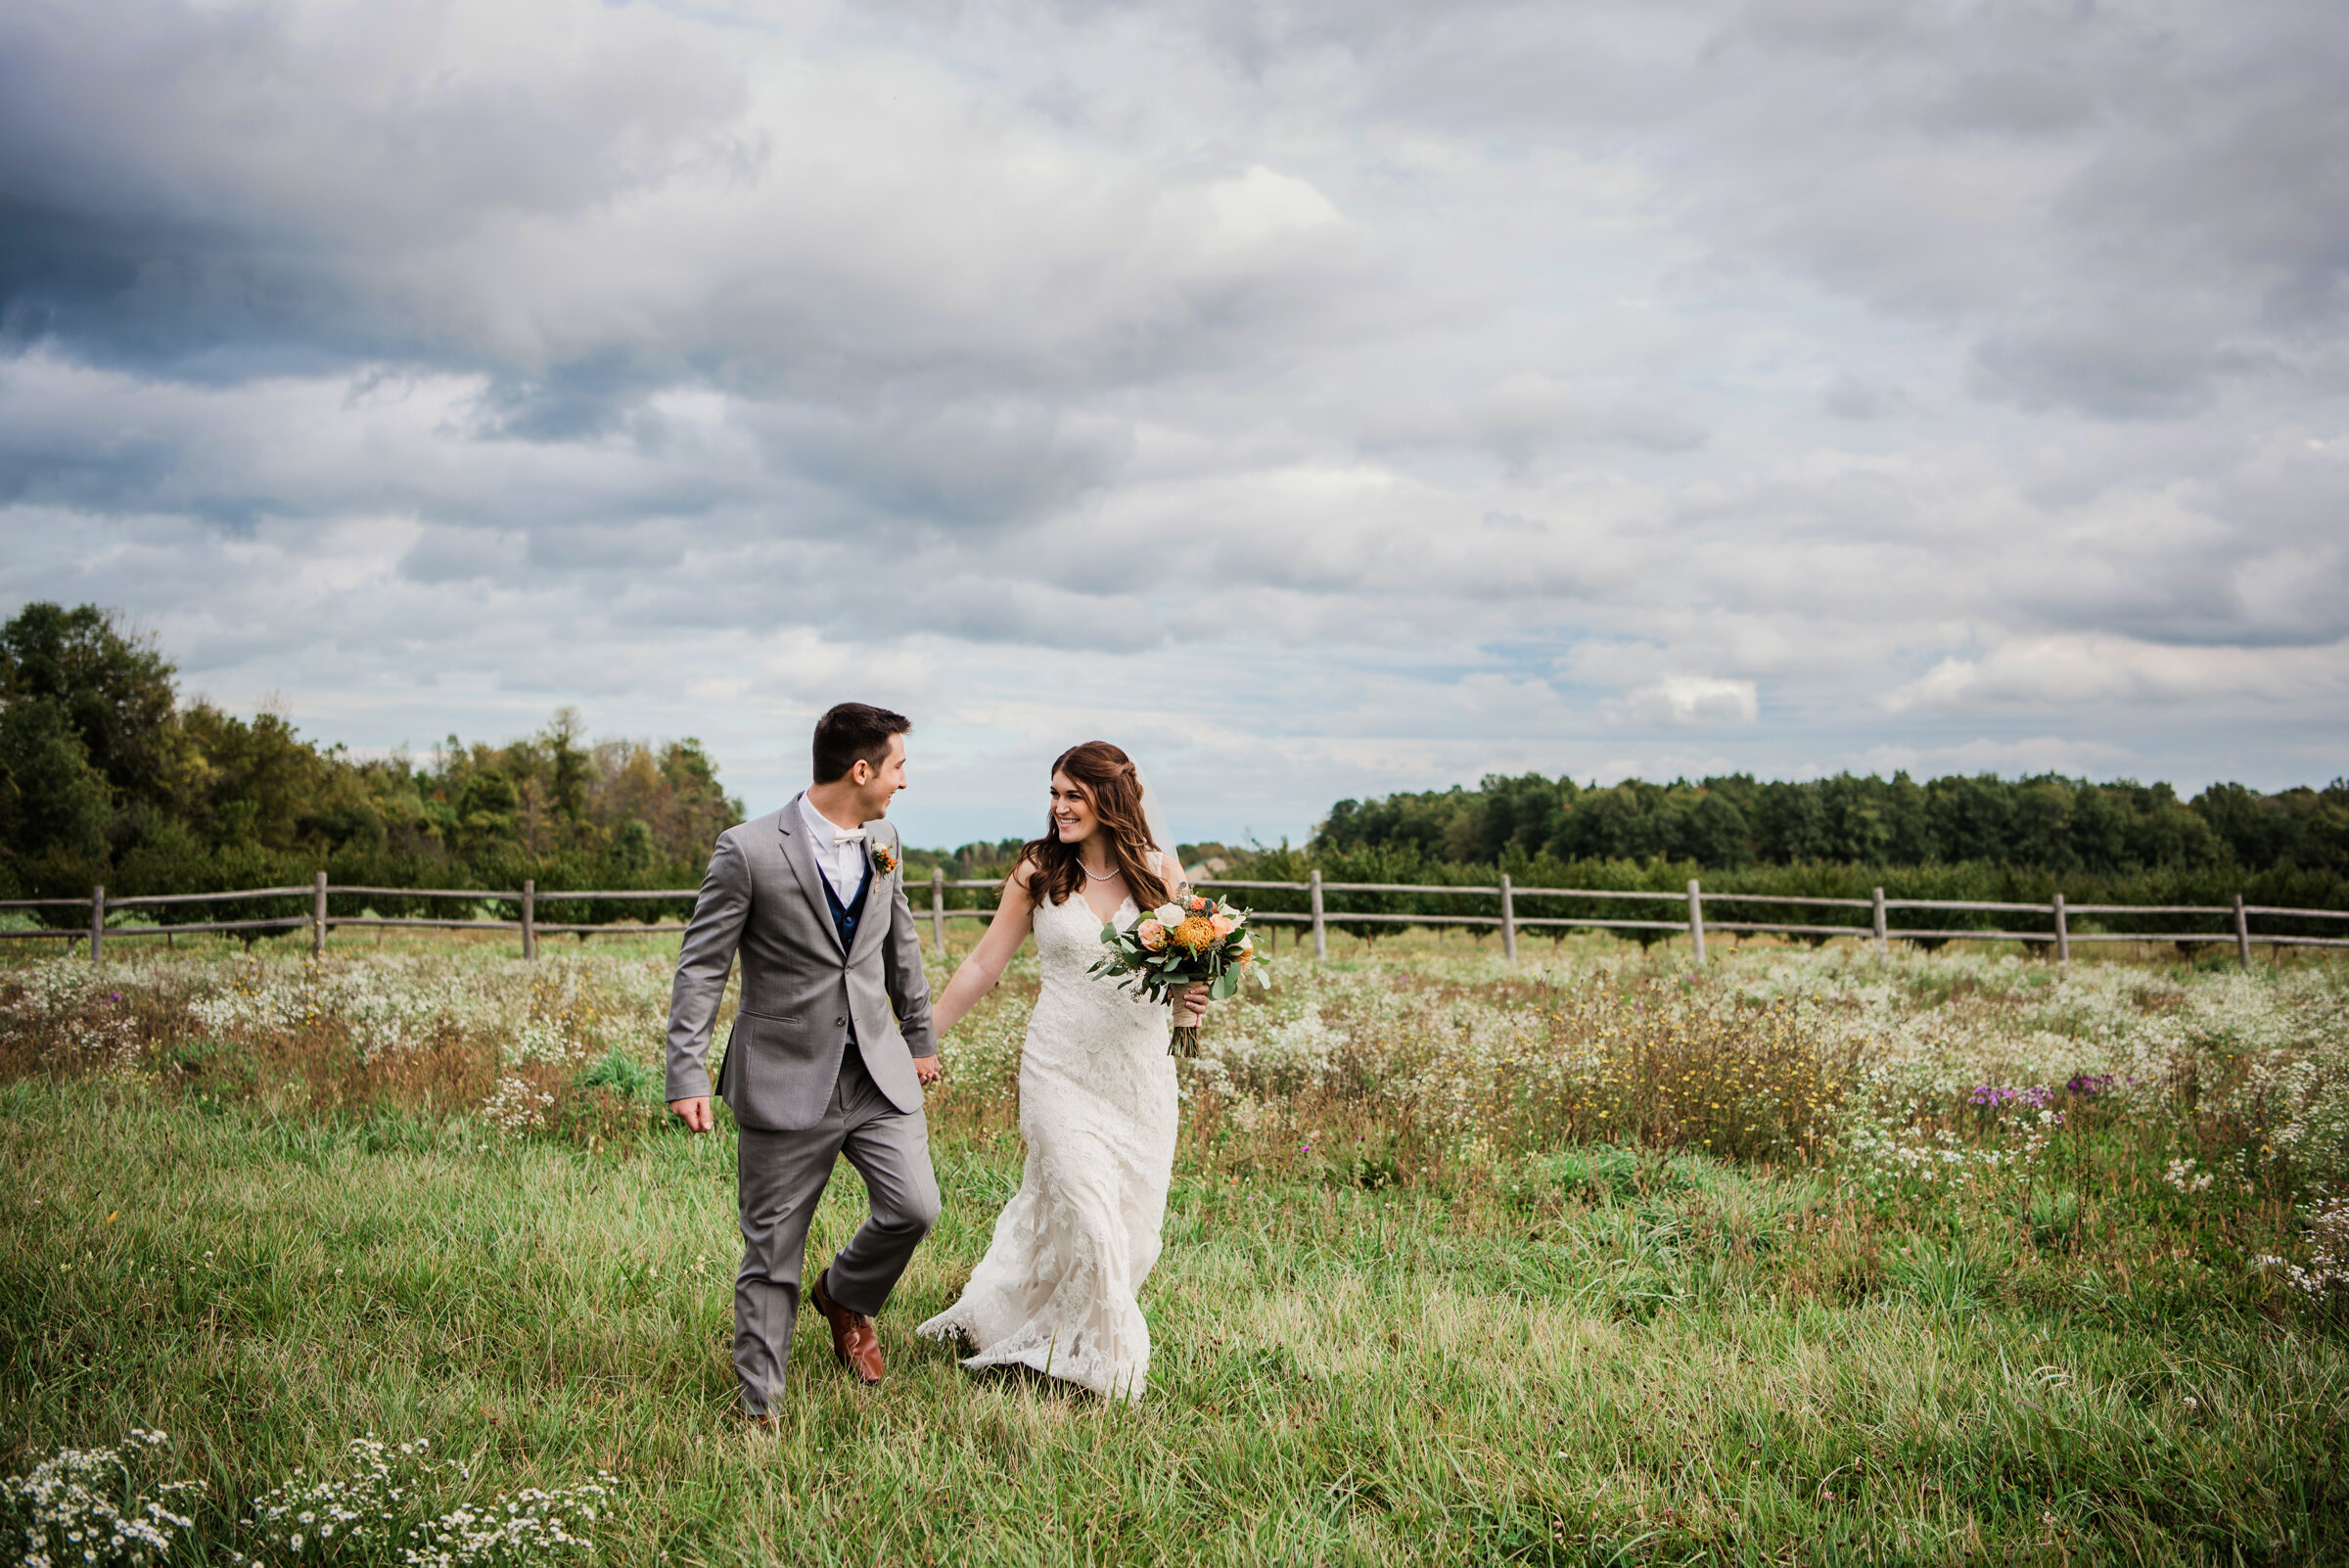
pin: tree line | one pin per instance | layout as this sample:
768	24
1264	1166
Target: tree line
1961	837
109	775
1730	823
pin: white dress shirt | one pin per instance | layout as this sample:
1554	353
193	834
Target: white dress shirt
843	864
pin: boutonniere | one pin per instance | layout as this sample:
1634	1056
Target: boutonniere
884	861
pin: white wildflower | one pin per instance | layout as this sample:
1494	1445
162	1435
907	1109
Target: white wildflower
2181	1175
515	1107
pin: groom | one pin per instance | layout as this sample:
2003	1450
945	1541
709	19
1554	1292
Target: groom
830	1049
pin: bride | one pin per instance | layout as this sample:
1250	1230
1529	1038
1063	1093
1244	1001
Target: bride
1056	1288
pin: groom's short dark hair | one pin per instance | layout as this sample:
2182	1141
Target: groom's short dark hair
854	733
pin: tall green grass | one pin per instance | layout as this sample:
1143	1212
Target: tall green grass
1544	1352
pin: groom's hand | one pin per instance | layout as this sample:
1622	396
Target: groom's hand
695	1111
928	1069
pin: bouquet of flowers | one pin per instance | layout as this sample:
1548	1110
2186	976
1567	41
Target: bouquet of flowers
1188	941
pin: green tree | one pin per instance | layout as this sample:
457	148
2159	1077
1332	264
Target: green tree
1971	819
1717	834
1521	813
1907	831
488	807
52	801
2039	825
568	763
256	783
115	691
2046	822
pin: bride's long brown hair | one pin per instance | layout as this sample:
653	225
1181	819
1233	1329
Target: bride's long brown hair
1107	776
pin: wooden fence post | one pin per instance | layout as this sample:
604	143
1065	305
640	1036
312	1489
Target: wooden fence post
937	909
2242	935
318	916
2064	932
1882	947
1508	920
97	922
529	917
1320	932
1697	921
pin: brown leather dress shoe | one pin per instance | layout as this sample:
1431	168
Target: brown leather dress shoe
853	1339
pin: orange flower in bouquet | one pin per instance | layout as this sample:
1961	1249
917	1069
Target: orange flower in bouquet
1188	941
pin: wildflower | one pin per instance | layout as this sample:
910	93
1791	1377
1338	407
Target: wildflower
2328	1255
514	1106
2181	1175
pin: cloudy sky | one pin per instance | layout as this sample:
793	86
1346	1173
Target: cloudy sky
1318	397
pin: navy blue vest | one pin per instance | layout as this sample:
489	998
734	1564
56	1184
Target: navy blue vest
846	916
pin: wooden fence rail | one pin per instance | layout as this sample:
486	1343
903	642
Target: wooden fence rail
1879	931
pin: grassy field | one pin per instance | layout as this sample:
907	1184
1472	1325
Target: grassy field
1804	1258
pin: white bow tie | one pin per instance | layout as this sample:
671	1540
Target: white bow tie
841	836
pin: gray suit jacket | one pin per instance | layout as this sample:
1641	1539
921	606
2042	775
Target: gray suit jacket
765	898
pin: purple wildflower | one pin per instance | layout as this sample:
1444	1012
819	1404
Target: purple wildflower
1991	1095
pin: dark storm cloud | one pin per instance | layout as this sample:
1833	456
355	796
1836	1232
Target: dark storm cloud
212	190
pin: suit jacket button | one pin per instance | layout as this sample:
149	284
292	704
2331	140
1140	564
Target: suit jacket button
841	1022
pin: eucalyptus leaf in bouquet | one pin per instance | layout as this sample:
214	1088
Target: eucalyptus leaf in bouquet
1187	941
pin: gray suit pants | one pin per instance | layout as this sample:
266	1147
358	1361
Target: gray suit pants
779	1178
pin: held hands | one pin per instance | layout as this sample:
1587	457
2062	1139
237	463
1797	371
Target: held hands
928	1069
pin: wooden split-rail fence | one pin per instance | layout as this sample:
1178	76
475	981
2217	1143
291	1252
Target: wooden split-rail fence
1879	932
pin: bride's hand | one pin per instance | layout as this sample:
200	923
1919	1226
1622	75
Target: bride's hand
1190	1005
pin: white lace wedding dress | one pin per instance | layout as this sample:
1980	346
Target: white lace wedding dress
1097	1108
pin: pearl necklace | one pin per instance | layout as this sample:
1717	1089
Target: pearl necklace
1097	876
